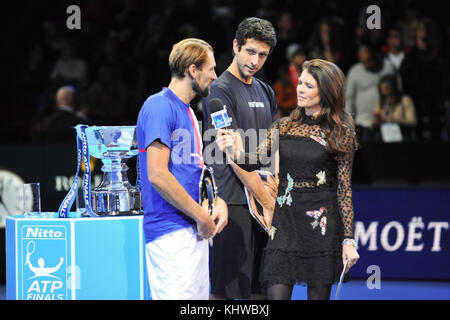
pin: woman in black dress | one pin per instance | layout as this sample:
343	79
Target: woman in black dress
313	218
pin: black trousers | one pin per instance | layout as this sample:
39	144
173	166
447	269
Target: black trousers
236	255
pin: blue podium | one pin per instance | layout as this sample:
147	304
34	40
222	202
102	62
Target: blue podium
76	259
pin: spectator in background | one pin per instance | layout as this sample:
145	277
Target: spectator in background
394	53
362	90
286	86
285	37
69	68
52	38
58	127
324	44
149	48
83	108
109	96
394	106
423	78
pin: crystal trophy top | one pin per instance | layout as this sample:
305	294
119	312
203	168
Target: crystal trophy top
113	145
112	141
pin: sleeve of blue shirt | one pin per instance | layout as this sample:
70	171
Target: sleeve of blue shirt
157	121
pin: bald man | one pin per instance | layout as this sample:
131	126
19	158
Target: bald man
59	126
65	97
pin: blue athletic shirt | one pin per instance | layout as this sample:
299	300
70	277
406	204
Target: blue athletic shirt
168	120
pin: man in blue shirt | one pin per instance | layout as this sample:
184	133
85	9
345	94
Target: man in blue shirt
176	227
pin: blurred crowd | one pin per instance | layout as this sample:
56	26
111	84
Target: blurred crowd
397	76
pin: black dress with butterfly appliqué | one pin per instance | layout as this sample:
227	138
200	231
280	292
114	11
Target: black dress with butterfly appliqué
314	210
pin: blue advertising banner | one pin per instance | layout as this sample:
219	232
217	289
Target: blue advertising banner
403	233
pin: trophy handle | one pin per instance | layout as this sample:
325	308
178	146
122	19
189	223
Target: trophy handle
207	189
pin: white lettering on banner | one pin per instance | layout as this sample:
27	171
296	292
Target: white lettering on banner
63	183
43	285
415	223
44	290
414	243
437	225
364	236
385	234
42	233
44	263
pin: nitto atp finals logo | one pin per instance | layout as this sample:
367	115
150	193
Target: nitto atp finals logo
44	263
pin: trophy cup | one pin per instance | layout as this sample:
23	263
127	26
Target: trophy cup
114	145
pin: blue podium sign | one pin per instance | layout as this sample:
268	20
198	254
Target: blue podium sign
43	276
75	258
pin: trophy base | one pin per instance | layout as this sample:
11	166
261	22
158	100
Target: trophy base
117	202
120	213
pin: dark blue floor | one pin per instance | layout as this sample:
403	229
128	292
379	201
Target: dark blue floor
357	290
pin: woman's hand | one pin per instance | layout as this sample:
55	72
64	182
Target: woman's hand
349	253
229	142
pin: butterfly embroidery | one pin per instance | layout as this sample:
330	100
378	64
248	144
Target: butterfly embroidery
316	214
286	198
321	177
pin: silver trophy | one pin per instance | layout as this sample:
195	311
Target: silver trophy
114	145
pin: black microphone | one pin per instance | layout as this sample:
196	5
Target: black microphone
215	105
219	116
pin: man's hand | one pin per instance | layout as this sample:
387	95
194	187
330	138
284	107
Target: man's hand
205	225
220	215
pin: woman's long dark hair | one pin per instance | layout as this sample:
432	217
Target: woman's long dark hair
316	41
391	81
333	117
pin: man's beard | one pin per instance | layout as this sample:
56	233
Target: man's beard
244	76
196	88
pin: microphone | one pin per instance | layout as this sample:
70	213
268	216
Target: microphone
219	117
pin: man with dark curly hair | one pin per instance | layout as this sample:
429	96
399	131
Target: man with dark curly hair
237	251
